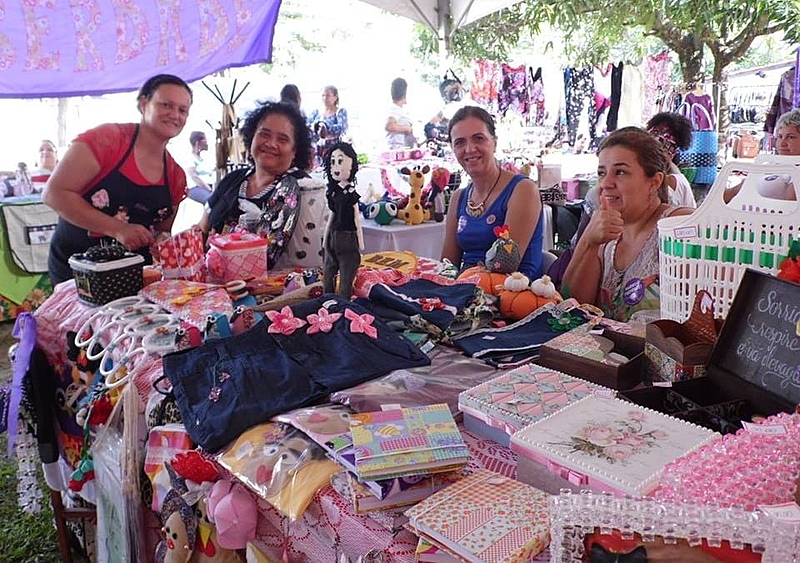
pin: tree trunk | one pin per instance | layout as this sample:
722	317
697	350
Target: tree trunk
61	121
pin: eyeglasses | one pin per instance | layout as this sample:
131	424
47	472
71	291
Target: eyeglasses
665	139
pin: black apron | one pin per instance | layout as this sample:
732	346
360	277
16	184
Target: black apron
120	197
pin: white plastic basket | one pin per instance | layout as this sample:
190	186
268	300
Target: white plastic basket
711	248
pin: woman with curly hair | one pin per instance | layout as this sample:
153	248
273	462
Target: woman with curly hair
264	197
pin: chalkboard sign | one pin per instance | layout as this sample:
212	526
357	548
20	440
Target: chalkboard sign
760	341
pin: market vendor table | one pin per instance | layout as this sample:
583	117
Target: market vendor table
329	527
425	239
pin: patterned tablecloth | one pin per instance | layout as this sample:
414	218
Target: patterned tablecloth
329	528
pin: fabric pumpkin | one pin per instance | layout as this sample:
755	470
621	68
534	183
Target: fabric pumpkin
488	281
517	305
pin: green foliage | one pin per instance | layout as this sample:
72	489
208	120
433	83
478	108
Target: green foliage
598	31
23	538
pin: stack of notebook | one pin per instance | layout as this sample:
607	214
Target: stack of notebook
410	441
485	517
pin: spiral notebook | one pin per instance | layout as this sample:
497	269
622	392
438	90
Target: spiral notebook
408	441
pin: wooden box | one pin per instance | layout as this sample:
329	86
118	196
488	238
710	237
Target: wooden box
754	368
583	353
676	351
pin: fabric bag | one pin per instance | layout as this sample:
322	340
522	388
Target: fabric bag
236	256
292	358
450	87
702	153
29	227
181	256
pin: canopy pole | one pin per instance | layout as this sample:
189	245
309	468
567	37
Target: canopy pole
444	32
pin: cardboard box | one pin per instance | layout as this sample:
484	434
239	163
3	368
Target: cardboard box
754	367
584	354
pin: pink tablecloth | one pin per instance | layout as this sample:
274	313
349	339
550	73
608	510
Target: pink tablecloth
329	528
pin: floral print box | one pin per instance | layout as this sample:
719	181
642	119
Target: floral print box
609	444
499	407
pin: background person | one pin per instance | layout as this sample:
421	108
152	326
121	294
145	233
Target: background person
328	125
787	143
615	263
120	165
48	158
264	197
674	132
399	125
201	171
493	198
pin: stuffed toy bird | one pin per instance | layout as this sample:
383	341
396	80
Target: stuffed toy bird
503	256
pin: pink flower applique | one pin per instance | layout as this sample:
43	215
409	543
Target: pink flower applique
322	321
284	321
100	199
361	323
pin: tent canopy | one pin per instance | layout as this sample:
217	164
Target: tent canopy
54	49
443	16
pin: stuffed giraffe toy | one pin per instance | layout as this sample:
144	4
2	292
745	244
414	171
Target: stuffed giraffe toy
414	213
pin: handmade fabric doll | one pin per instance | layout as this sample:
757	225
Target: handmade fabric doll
180	523
207	548
343	236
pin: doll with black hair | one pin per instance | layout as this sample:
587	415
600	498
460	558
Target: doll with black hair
343	240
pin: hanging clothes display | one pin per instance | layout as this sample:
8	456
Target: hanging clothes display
579	91
701	108
485	83
656	80
537	97
514	93
631	106
616	94
783	100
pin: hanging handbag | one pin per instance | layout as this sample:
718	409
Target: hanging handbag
702	153
450	87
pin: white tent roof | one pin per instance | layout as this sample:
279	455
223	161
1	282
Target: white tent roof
433	12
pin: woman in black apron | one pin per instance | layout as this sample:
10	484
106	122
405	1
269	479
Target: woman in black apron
117	182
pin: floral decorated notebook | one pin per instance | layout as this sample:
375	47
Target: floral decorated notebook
522	396
609	444
410	441
485	517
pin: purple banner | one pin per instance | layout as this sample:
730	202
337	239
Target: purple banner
51	48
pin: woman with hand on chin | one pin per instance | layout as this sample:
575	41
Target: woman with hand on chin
265	197
494	197
615	264
120	165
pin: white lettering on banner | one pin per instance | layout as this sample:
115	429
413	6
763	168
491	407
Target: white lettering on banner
7	54
243	15
133	31
170	30
212	14
38	25
85	15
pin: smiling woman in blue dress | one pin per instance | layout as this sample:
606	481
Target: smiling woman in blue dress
493	198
